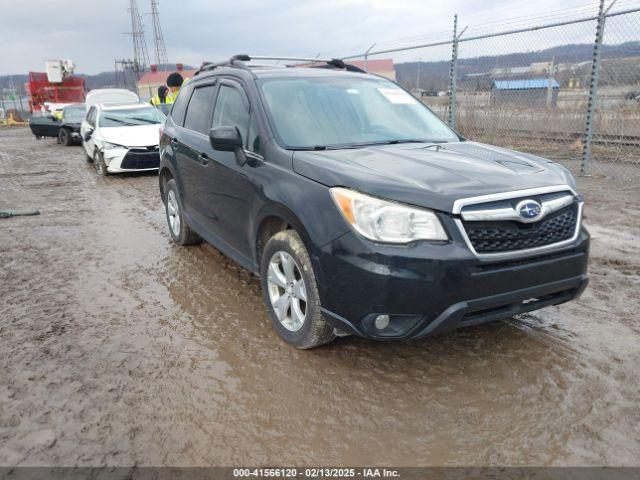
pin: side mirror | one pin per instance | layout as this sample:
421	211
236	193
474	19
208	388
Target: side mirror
228	139
225	138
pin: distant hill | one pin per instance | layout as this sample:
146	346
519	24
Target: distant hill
434	76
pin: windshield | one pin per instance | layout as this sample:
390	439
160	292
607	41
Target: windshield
318	113
74	114
129	117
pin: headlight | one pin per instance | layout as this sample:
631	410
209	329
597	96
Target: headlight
111	146
385	221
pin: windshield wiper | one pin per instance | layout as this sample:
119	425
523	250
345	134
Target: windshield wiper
120	121
360	145
320	148
391	142
145	121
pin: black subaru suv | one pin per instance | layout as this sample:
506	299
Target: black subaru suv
360	210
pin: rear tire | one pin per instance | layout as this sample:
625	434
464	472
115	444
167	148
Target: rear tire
291	289
64	137
180	232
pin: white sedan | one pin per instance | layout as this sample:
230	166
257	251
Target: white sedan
122	137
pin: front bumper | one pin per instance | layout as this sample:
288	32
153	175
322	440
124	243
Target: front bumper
131	160
431	288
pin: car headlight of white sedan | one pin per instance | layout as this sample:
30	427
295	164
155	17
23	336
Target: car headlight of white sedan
111	146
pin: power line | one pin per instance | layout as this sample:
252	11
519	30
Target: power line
557	15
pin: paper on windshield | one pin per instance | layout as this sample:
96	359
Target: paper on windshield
395	95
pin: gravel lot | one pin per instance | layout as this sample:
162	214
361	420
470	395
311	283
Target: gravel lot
119	348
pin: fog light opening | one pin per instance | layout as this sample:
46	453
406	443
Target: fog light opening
382	321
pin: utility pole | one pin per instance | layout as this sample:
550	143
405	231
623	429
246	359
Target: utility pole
550	82
140	53
161	51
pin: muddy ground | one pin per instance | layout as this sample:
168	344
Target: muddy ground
119	348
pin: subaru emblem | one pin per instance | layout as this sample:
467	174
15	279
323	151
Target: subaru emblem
529	210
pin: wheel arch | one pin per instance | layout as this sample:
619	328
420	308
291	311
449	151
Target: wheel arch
164	176
273	219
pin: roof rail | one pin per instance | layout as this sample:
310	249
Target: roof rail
235	61
238	61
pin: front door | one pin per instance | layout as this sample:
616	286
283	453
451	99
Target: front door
228	189
45	126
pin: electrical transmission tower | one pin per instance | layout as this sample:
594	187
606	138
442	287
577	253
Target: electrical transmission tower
161	51
140	53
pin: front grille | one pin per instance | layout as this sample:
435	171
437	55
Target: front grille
138	159
507	236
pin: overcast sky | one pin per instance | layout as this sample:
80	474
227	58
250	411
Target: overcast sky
91	32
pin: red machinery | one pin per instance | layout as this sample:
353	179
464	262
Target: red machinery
40	90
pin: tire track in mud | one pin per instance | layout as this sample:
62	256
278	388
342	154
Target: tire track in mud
119	348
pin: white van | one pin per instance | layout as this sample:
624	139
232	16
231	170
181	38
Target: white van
110	95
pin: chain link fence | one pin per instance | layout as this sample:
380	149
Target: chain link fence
567	90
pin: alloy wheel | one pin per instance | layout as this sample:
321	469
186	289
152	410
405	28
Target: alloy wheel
173	213
287	291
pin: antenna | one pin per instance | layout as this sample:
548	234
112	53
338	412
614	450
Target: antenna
140	54
161	51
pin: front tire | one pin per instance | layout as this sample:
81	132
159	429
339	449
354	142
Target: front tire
64	137
99	165
180	232
291	294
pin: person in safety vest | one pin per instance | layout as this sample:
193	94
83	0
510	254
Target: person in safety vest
174	82
161	97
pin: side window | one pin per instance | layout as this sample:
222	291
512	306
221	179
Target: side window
180	106
91	117
197	117
231	110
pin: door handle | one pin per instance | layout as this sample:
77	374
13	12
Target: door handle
203	158
174	142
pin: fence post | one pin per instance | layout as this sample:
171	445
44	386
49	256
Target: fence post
452	74
366	58
593	88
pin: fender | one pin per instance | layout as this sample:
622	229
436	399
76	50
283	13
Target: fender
282	212
164	168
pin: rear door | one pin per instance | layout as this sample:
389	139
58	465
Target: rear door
189	145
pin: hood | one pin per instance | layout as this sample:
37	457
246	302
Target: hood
138	136
430	175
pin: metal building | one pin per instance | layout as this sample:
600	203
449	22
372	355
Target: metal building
531	92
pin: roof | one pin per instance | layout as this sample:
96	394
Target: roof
155	78
119	106
526	84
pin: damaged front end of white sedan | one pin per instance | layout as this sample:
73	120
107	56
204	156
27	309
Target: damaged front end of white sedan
122	137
